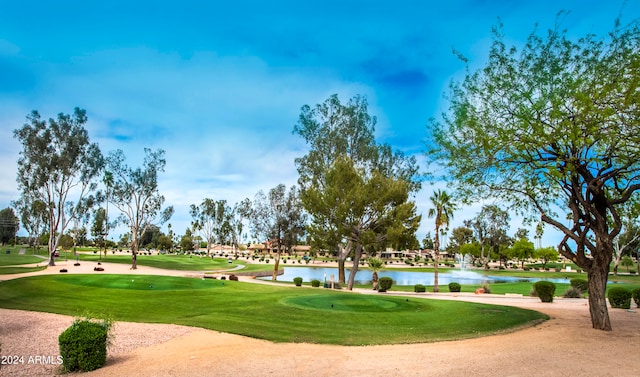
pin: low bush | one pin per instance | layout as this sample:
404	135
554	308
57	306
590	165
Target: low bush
580	284
454	287
83	346
384	284
619	297
233	277
315	283
545	290
572	292
486	288
297	281
419	288
635	294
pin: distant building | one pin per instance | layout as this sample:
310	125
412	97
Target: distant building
404	254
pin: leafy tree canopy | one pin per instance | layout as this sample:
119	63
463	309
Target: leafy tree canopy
9	225
549	128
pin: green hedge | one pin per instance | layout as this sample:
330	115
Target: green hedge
619	297
454	287
83	346
636	296
545	290
297	281
384	284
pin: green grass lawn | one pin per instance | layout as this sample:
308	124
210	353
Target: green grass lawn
280	314
14	258
169	262
19	270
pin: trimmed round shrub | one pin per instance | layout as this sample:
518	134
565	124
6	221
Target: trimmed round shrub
635	294
580	284
384	284
418	288
83	346
315	283
619	297
297	281
454	287
545	290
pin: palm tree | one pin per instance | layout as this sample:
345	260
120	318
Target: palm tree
443	212
375	264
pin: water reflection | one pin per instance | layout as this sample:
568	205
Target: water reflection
403	277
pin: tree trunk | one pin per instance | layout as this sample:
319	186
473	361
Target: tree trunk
341	274
134	259
436	261
52	261
274	275
374	280
343	252
354	269
597	278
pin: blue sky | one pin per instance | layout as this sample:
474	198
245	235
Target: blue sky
219	85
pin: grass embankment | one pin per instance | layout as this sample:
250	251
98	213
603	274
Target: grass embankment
168	262
15	259
280	314
9	263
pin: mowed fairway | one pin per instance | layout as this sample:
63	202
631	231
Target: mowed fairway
172	262
280	314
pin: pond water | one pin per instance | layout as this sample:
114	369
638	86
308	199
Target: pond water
402	277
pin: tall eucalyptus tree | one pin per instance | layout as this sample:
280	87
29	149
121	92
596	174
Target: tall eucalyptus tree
135	193
58	166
